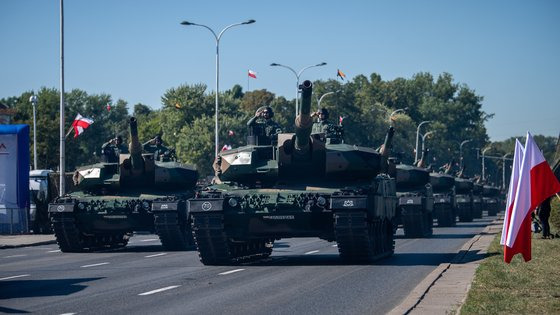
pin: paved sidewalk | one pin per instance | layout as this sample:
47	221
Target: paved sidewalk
445	289
12	241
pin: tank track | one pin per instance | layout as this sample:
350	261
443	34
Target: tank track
418	225
445	215
71	240
465	214
173	233
215	248
360	240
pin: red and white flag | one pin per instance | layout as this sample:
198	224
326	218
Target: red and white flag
80	124
108	106
536	183
340	119
514	179
252	74
226	147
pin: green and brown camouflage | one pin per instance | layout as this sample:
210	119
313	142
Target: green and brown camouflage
110	201
300	187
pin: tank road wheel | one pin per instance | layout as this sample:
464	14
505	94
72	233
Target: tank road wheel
68	236
212	244
173	233
445	215
362	241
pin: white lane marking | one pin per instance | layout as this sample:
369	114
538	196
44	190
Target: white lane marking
335	245
155	255
160	290
149	240
68	314
230	272
54	251
13	277
12	256
311	252
94	265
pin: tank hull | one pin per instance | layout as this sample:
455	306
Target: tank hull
359	220
444	209
415	201
465	208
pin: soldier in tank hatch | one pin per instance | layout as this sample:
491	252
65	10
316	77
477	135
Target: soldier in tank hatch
112	148
333	133
156	147
263	127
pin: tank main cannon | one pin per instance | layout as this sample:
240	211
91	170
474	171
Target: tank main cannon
135	147
304	122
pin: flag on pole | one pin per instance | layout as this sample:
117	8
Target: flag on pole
340	74
340	119
514	179
536	183
108	106
80	124
252	74
226	147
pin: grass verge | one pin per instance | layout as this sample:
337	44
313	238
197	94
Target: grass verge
519	287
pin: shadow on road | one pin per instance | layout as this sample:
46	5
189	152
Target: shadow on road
8	310
34	288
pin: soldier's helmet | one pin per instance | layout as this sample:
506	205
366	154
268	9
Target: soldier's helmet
158	139
324	111
267	109
119	140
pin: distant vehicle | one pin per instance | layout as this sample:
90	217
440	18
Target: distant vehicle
39	198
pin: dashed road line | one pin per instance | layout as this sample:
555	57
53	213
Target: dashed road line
149	240
311	252
68	314
54	251
335	245
230	272
13	256
159	290
94	265
155	255
14	277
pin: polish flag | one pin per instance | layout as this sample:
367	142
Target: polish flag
514	179
252	74
536	183
340	119
80	124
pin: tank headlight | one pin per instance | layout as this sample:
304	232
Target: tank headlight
232	202
321	201
145	205
81	206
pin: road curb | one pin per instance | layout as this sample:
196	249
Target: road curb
4	246
412	302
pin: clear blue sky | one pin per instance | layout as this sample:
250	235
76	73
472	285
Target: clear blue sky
507	51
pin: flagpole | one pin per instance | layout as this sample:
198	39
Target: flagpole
62	178
247	80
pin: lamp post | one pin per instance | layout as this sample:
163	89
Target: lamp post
33	99
297	74
483	165
217	37
400	110
504	170
418	137
323	96
424	138
461	152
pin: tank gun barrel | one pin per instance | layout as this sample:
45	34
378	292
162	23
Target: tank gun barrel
386	148
135	147
304	121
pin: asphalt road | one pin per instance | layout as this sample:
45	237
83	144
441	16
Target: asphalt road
303	276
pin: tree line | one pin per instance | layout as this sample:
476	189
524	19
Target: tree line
186	120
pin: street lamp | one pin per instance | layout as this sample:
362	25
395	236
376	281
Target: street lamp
504	170
418	137
424	138
323	96
217	37
400	110
483	166
297	74
34	99
461	152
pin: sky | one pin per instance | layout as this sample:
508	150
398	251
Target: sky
135	50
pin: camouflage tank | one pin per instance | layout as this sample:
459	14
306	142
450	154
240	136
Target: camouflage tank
113	200
415	200
491	199
443	185
300	187
464	199
477	200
